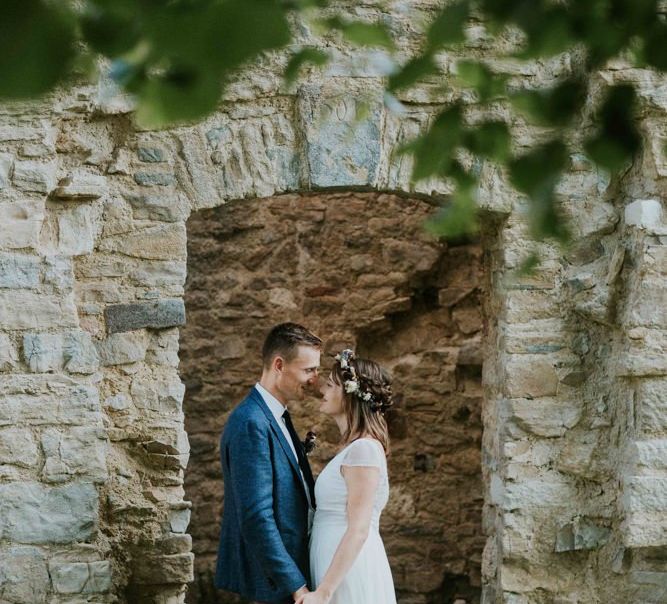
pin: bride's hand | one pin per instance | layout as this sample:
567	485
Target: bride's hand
313	597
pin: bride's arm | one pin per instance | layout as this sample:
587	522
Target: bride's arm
362	483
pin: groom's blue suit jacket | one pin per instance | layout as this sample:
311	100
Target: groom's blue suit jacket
263	552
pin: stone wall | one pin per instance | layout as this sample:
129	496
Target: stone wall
359	270
93	247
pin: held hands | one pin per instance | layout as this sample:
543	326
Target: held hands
313	597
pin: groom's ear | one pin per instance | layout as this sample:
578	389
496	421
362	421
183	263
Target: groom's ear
278	363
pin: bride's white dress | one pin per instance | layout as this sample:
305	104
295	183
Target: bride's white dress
369	579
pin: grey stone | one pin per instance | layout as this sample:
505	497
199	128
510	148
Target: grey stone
6	163
164	397
22	309
81	577
158	314
342	150
77	451
81	187
78	228
18	447
34	513
59	272
652	405
644	213
8	354
581	534
544	417
119	402
168	208
179	520
150	154
19	271
21	224
72	351
35	176
150	179
123	348
530	376
158	570
160	242
24	578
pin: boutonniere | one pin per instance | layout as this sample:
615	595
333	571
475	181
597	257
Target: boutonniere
310	443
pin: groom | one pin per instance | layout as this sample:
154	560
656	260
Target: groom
269	488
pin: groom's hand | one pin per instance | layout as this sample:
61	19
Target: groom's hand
300	592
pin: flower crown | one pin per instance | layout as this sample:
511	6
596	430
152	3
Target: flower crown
352	383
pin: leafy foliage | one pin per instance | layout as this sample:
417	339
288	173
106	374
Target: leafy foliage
176	56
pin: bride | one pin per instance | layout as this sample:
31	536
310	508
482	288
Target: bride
347	557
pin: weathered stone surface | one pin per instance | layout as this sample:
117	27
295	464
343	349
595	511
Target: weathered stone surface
24	578
78	451
652	405
81	187
35	176
19	271
78	229
179	520
6	164
18	447
8	354
28	310
122	348
21	224
340	152
650	456
51	399
581	534
168	208
72	351
150	179
150	154
165	397
80	577
530	376
161	242
158	314
118	402
544	417
34	513
152	570
644	213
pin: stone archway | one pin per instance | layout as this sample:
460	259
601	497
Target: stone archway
359	269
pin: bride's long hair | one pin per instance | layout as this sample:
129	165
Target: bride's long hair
363	417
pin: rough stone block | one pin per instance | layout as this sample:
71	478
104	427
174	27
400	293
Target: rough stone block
645	494
150	154
72	351
156	570
18	447
161	242
650	456
78	228
31	310
81	577
19	271
8	354
151	179
157	314
542	492
78	451
581	534
123	348
179	520
543	417
165	397
47	399
81	187
24	578
644	213
530	376
648	307
35	176
34	513
59	273
652	405
342	150
168	208
6	163
21	224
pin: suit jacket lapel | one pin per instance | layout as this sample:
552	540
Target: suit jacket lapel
257	397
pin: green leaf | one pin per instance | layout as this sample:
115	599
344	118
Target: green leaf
537	172
655	46
301	58
413	71
111	30
36	47
458	217
362	33
448	27
434	150
180	95
478	76
529	265
617	139
490	139
548	32
553	107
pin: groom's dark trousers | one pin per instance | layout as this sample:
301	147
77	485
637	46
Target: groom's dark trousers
263	551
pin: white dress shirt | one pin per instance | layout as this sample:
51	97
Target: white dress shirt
277	409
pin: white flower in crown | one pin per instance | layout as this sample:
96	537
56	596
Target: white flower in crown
351	386
367	396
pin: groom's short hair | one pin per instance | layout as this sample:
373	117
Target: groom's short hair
285	339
